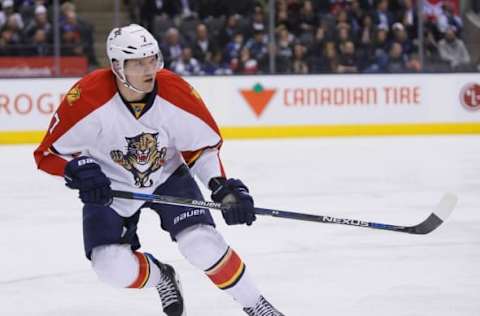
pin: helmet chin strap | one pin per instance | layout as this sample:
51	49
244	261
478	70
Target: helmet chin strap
131	87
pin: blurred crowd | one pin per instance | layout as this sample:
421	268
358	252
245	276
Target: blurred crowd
232	36
311	36
26	30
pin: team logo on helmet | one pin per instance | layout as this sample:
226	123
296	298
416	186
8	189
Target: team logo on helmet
142	158
470	96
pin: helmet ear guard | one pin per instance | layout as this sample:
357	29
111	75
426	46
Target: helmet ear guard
117	69
131	42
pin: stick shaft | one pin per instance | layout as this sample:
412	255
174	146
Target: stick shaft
170	200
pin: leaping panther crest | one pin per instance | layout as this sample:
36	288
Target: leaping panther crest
142	158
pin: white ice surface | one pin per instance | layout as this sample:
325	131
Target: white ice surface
303	268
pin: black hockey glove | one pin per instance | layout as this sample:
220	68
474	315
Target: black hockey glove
233	193
85	175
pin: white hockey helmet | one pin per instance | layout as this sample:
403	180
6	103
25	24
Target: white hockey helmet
131	42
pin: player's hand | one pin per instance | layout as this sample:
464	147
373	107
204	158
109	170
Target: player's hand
234	194
85	175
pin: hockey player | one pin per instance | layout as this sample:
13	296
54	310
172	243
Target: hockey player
139	127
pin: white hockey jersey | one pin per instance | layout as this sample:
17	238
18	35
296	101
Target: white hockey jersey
137	151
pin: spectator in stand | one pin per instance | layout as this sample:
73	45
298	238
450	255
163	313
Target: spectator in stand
187	65
245	64
39	44
9	11
448	18
329	63
366	34
453	50
409	18
39	22
284	17
232	50
347	62
284	50
172	47
14	33
396	59
432	60
413	64
367	31
71	41
257	22
343	34
400	36
229	30
382	17
258	47
187	8
293	16
336	6
379	53
151	8
356	14
26	8
308	22
315	50
299	62
365	45
203	44
345	20
7	44
381	41
79	37
216	65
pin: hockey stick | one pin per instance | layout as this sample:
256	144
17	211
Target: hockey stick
439	215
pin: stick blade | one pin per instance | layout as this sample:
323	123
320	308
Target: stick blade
446	205
441	212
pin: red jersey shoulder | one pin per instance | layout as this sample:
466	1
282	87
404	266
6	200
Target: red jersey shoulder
93	90
170	85
180	93
86	95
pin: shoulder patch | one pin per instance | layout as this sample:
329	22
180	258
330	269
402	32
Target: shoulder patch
196	94
73	95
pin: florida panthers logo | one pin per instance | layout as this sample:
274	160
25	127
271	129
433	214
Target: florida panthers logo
142	158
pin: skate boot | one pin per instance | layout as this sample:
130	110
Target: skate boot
170	290
262	308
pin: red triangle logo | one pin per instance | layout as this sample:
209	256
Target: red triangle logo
258	98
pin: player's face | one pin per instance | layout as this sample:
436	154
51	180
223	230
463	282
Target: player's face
140	72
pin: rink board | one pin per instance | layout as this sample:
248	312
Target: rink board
286	106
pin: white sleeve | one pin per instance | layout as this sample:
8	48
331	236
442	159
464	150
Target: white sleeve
208	166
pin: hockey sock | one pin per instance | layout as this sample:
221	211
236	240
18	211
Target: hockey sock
118	266
206	249
229	274
148	271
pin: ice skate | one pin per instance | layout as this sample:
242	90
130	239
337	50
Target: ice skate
170	291
262	308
